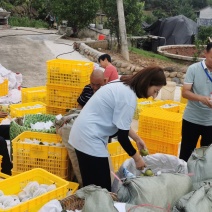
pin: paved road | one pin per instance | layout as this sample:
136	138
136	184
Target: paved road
26	50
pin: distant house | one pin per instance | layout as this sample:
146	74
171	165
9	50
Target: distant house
204	17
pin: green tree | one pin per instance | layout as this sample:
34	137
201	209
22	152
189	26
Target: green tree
133	10
78	13
167	8
204	32
199	3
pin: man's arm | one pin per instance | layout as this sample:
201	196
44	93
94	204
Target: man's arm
188	94
3	114
79	107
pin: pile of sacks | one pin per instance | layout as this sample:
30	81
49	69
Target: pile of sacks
176	186
15	81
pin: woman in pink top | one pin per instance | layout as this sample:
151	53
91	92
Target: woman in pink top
110	72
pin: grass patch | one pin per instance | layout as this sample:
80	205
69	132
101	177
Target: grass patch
149	54
26	22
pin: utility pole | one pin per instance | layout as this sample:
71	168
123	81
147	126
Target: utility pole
122	30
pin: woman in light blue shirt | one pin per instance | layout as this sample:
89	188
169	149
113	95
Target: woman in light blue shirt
110	111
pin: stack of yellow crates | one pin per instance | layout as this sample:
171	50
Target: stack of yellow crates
161	130
65	82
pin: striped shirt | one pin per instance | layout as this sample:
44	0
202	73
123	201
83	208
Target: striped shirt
86	94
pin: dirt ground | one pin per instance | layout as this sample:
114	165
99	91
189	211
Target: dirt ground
142	61
186	51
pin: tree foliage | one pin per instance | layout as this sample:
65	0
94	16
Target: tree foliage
133	10
78	13
167	8
204	32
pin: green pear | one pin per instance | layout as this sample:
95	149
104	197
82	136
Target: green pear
148	172
144	152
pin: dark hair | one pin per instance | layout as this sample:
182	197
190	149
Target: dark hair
140	82
209	47
103	57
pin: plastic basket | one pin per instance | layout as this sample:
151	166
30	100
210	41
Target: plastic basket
117	154
160	125
4	88
60	96
69	72
171	106
27	156
182	108
72	188
33	94
3	176
15	184
143	104
155	146
17	126
18	110
56	110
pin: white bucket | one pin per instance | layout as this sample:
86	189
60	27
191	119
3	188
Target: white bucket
168	91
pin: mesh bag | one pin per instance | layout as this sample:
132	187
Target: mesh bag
22	124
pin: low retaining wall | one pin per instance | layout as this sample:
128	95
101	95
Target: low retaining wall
163	51
90	51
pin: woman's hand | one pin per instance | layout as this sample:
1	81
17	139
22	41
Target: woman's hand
139	162
3	114
140	144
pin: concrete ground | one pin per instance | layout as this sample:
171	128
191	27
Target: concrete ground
26	50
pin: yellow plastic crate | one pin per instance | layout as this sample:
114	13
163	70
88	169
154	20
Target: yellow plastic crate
182	108
72	188
27	156
3	176
56	110
144	103
4	89
69	72
34	94
117	154
17	110
60	96
155	146
0	161
15	184
171	106
161	125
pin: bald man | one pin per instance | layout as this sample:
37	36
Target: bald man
96	81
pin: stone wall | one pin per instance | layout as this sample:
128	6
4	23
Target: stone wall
90	51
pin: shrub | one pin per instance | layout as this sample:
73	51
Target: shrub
27	22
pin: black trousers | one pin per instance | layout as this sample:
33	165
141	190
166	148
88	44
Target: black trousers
190	135
5	131
94	170
6	164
